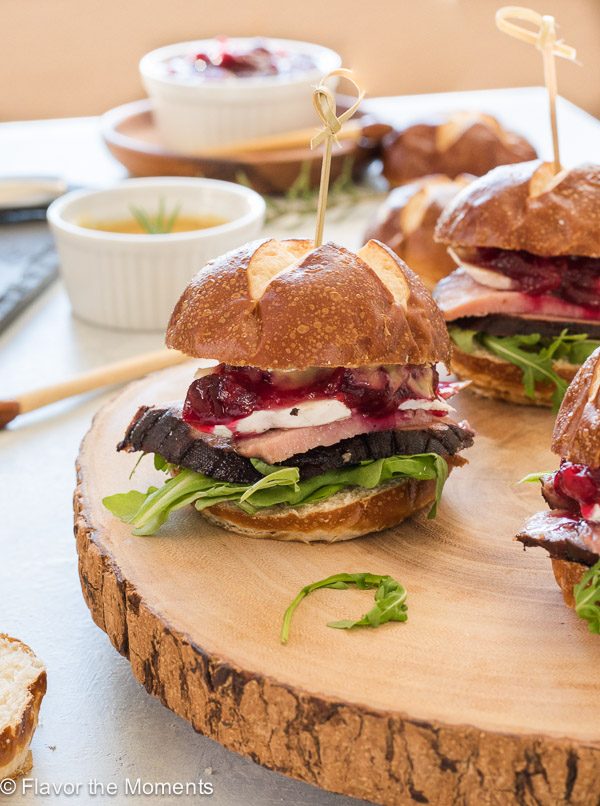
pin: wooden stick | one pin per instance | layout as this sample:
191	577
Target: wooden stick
324	103
544	39
300	138
94	379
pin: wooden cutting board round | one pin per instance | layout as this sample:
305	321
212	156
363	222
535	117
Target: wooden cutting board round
490	693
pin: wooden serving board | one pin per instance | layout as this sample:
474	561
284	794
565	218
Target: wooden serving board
489	694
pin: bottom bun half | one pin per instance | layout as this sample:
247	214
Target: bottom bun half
347	514
492	377
568	574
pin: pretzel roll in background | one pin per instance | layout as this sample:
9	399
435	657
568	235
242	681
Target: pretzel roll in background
570	529
406	223
465	142
526	242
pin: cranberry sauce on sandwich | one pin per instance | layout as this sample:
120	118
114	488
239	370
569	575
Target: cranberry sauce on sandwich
523	308
570	530
323	417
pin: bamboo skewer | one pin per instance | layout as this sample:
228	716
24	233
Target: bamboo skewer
107	375
300	138
545	40
325	104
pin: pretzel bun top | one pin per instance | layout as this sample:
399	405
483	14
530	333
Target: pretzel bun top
288	305
527	206
576	435
406	222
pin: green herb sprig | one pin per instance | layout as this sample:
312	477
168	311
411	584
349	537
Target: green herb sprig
587	598
390	601
159	224
301	197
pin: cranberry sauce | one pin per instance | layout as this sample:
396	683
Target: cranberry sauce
573	278
577	488
225	60
230	393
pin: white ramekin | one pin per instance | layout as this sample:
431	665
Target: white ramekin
193	114
133	281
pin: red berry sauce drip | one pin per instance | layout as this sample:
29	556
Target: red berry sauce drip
578	486
231	393
573	278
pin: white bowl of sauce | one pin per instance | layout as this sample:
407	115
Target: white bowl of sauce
216	92
127	252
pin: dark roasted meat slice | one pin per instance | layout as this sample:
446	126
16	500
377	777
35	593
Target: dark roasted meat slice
445	439
161	430
553	498
497	325
564	536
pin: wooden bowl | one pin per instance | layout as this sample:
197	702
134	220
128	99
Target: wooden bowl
131	135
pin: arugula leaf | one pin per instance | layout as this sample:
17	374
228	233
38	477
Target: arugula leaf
587	598
390	601
277	485
466	340
533	353
533	477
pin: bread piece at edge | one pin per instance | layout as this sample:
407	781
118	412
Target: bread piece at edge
15	737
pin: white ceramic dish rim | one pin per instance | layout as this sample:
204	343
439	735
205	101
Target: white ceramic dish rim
330	60
58	208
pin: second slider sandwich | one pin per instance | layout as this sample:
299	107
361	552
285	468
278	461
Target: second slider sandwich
523	308
325	417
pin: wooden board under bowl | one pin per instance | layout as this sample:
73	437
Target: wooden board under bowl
489	694
131	135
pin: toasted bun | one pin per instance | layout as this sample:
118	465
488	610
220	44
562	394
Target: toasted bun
492	377
350	513
22	687
568	574
287	305
464	142
406	223
528	207
576	435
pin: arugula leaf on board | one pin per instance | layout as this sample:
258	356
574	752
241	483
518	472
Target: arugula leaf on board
587	598
390	601
532	353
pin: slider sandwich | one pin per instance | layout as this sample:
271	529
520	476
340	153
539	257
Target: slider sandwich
523	307
324	418
570	529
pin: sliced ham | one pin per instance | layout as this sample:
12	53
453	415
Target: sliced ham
459	295
279	444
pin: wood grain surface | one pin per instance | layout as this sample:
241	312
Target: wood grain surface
489	694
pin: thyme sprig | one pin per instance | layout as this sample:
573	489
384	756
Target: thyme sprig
158	224
301	198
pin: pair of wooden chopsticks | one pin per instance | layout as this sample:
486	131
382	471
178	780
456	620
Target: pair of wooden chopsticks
107	375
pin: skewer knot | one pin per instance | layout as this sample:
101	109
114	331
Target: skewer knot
325	105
